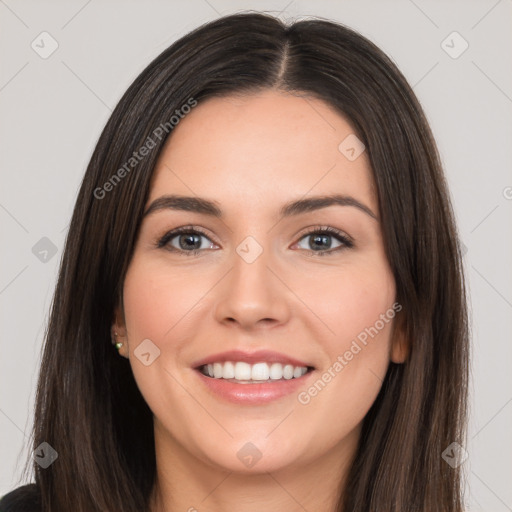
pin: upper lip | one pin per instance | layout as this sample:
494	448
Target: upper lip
267	356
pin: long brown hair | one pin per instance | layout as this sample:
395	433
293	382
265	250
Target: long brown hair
88	406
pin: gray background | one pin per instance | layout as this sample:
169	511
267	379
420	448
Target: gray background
52	111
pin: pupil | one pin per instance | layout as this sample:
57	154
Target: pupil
188	245
319	239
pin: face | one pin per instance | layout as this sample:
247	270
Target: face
300	301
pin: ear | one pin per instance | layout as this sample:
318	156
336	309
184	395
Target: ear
118	331
400	344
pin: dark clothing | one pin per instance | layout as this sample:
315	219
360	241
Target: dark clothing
25	498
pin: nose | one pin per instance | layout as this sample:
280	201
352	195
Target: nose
253	295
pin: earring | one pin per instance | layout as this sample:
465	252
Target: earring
117	344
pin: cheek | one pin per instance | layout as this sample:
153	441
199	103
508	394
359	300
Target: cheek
364	323
160	304
361	301
359	311
351	300
157	298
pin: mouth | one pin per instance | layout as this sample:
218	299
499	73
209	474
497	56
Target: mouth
252	378
244	373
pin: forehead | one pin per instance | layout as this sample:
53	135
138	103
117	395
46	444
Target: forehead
261	150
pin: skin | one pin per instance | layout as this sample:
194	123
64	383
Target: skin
289	299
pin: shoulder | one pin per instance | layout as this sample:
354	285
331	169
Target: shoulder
22	499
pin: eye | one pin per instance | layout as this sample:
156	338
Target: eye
320	241
186	241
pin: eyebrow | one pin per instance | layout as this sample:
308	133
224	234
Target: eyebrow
211	208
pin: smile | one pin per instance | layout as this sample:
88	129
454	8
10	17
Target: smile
252	378
245	373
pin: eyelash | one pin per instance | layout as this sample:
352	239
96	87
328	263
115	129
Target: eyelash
321	230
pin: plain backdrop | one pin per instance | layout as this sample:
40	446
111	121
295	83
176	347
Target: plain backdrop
53	109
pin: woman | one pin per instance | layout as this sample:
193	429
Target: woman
265	234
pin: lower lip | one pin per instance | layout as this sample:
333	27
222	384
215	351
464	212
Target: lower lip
253	394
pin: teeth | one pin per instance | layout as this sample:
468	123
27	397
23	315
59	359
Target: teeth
297	372
276	371
228	370
260	371
288	372
253	372
217	370
242	371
